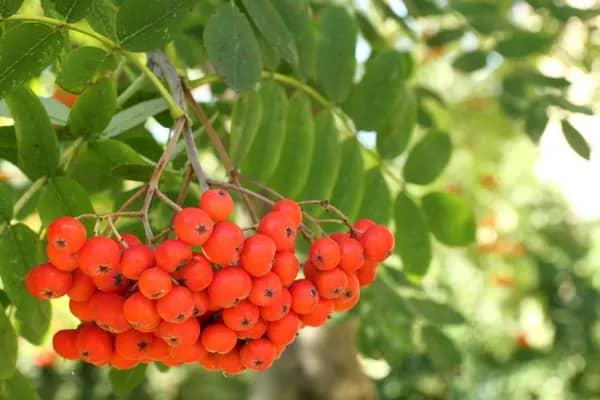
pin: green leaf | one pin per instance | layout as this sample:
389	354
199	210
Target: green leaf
471	61
434	312
536	121
245	120
19	252
17	387
82	66
377	202
263	156
296	15
566	104
8	144
326	159
73	10
94	109
336	61
428	158
62	196
124	381
450	218
445	36
8	347
37	145
144	25
9	7
575	139
273	28
524	43
393	138
232	47
350	184
4	300
103	18
297	150
137	172
134	116
6	202
440	348
25	51
412	236
372	101
56	110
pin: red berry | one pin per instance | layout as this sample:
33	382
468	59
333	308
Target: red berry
197	275
130	240
350	295
280	228
62	259
133	345
218	338
257	331
81	310
331	284
291	209
108	312
141	312
159	349
378	242
201	301
114	281
65	344
94	345
265	289
186	354
225	244
284	331
183	334
310	271
241	317
257	355
230	363
193	226
46	282
82	287
360	227
305	296
257	255
208	360
135	260
286	266
176	306
351	250
217	203
66	233
325	254
154	283
99	255
367	273
278	308
320	314
121	363
229	286
173	255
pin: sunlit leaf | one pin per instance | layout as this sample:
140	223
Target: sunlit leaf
17	387
450	218
62	196
245	120
440	348
377	201
412	236
73	10
83	66
94	109
9	7
8	347
349	188
393	138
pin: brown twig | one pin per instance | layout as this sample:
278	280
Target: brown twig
165	199
261	186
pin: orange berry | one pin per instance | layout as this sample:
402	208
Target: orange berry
310	271
62	259
173	255
176	306
225	244
230	363
331	284
305	296
257	255
218	338
193	226
320	314
351	251
217	203
378	242
94	345
186	354
324	254
278	308
367	273
108	312
265	289
229	286
141	312
119	362
350	295
280	228
67	233
197	275
284	331
241	317
131	240
159	349
208	360
82	287
99	255
154	283
286	266
133	345
291	209
257	331
46	282
64	344
200	303
114	281
183	334
360	227
257	355
135	260
81	310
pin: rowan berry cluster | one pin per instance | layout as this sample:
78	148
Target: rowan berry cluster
211	296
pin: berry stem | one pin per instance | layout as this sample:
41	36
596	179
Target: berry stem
192	152
165	199
126	205
132	89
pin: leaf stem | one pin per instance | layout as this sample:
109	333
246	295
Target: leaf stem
132	89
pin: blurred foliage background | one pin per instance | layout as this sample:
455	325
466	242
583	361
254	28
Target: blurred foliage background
515	85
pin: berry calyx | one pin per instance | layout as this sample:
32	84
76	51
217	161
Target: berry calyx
265	289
